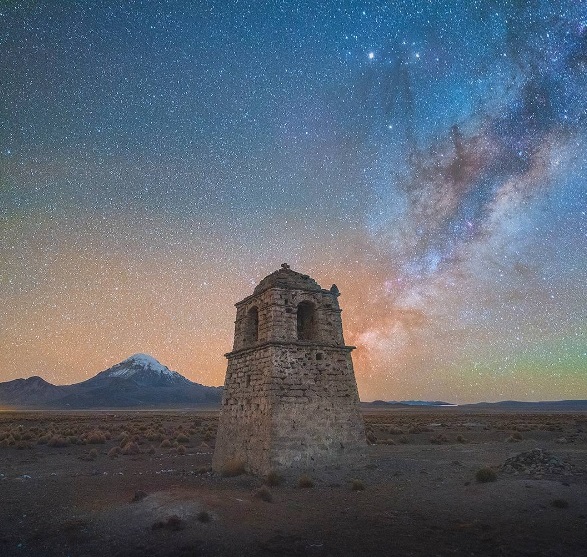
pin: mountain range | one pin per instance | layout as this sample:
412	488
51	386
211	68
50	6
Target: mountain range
138	381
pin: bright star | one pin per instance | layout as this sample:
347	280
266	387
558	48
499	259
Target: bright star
371	55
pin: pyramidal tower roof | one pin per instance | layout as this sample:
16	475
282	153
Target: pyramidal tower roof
288	279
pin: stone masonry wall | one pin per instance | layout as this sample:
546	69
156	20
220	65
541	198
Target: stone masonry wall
287	407
315	414
244	432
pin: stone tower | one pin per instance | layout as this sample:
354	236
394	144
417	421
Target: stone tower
290	396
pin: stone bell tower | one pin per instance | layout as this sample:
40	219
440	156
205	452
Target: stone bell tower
290	396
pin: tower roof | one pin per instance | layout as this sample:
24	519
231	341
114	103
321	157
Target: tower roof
287	279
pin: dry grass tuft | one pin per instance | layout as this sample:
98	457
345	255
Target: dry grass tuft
234	467
357	485
173	523
95	438
439	439
273	479
305	481
264	493
485	475
57	441
131	448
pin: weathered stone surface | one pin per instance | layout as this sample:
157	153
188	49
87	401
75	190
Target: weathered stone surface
290	400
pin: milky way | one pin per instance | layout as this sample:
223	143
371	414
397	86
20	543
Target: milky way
158	159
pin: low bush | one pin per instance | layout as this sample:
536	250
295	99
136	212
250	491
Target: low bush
305	481
57	441
273	479
264	493
485	475
357	485
234	467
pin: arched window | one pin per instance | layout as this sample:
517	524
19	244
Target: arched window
306	321
252	326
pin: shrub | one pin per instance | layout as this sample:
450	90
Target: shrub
114	452
165	444
439	439
357	485
461	439
233	467
95	438
182	438
57	441
273	479
131	448
485	475
93	454
204	516
560	503
181	450
173	523
139	496
418	429
264	493
305	481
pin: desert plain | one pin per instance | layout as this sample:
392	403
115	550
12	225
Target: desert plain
441	481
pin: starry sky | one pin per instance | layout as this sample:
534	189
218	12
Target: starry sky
159	158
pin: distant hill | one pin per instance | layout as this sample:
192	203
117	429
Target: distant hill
407	403
138	381
505	405
543	405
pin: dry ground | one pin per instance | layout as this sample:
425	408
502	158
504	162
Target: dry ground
138	484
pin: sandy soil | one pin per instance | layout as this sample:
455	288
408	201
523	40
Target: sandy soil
66	489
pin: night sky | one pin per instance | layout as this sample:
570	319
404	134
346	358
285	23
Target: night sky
158	159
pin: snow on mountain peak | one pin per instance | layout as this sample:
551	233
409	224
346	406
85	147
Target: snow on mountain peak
144	360
141	362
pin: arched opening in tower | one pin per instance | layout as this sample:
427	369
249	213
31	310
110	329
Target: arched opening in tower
252	326
306	321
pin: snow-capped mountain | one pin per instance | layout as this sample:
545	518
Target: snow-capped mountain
138	381
144	369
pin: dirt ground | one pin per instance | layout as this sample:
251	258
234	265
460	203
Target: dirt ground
139	484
